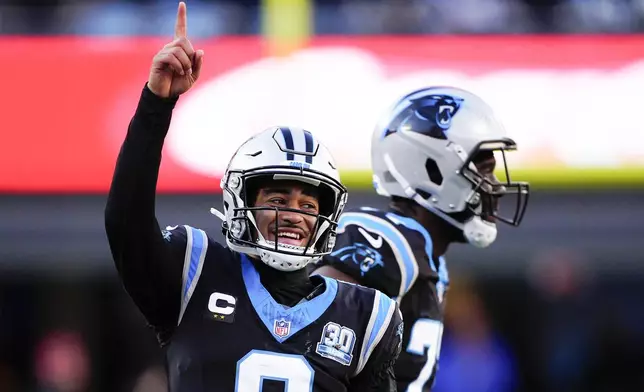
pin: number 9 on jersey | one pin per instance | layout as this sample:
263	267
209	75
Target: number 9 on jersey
257	366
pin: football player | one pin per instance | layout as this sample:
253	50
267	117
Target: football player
246	317
434	155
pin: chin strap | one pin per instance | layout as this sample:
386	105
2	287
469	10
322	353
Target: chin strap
218	214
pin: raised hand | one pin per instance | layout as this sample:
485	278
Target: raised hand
177	66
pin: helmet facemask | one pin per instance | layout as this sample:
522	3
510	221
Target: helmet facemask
494	199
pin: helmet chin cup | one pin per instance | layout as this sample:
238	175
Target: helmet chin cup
284	262
479	233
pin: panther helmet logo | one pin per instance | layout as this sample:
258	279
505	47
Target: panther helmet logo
438	108
430	115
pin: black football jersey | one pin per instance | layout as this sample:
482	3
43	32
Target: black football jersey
221	328
393	253
233	336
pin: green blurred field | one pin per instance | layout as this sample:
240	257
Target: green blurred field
543	178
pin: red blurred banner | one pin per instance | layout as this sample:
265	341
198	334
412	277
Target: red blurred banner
66	102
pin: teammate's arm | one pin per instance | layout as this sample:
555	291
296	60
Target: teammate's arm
378	374
149	265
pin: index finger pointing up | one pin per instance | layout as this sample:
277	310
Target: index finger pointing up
181	25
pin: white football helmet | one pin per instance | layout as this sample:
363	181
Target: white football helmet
281	153
423	149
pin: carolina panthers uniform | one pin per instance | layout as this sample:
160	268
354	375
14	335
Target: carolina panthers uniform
220	326
393	254
322	343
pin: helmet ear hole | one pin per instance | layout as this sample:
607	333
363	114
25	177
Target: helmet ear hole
433	172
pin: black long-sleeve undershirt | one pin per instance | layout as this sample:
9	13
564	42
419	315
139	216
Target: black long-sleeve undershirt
151	270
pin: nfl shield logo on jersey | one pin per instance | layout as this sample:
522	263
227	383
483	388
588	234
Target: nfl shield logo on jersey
282	328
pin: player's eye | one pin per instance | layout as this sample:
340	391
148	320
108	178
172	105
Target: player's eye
309	206
277	200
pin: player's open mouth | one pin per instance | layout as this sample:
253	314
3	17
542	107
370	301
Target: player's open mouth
293	237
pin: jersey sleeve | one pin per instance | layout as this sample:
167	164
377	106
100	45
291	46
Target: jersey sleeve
380	349
373	251
149	262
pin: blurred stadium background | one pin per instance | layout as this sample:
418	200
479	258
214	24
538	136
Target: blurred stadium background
555	305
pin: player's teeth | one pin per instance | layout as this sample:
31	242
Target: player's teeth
290	235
